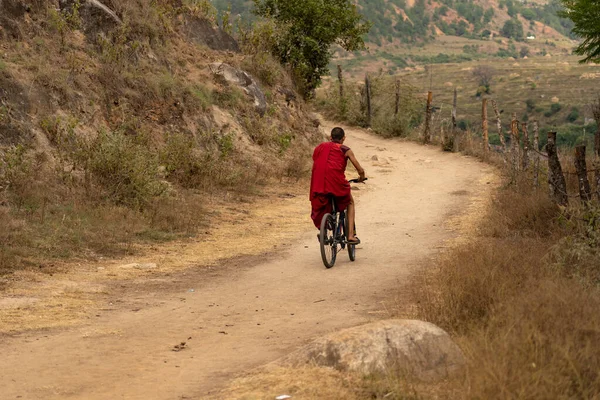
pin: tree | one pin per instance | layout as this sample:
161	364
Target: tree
585	14
308	29
528	14
513	29
484	75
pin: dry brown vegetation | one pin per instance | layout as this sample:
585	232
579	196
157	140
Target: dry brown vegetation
522	299
113	135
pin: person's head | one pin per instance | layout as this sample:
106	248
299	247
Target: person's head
338	135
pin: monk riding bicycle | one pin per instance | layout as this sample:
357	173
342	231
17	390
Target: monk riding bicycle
329	187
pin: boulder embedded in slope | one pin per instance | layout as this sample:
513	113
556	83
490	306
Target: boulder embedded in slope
416	347
96	17
11	11
203	32
242	79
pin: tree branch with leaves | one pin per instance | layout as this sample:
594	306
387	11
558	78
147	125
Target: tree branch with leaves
585	14
308	29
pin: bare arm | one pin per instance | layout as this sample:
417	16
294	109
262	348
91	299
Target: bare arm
354	161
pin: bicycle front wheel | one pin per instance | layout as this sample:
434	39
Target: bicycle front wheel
327	240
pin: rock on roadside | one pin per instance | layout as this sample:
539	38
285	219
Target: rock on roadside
416	347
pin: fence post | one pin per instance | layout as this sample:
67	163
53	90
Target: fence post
536	160
368	94
514	144
526	145
556	179
454	106
428	114
596	113
499	126
484	128
397	109
341	81
585	191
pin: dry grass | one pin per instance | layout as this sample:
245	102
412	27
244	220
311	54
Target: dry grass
316	383
522	302
128	145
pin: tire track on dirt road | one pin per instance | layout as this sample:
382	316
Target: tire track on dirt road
252	314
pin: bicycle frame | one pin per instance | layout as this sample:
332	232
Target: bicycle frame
339	217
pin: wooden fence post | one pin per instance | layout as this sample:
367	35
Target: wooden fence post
428	114
556	179
526	145
341	81
484	128
596	113
499	126
536	160
514	144
368	94
454	106
397	108
585	191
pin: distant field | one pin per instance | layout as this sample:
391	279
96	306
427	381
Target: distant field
538	82
459	48
542	80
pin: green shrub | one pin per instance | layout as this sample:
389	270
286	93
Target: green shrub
180	160
126	168
17	174
573	115
554	108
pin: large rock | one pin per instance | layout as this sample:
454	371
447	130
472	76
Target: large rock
243	80
96	17
202	31
11	11
415	347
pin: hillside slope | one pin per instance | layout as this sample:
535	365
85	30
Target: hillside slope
117	119
417	21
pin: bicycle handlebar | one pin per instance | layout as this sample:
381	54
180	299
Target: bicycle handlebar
357	180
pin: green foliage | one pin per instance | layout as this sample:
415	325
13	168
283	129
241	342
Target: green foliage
585	14
263	66
180	160
126	168
573	115
554	108
64	22
528	14
352	108
416	26
308	29
530	103
16	173
513	29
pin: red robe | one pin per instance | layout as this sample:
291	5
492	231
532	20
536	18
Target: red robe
328	179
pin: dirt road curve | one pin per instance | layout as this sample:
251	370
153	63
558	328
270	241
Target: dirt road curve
254	310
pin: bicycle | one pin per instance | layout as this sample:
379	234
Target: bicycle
334	235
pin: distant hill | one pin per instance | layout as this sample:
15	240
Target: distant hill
418	21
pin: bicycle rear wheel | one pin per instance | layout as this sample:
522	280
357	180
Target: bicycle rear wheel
351	247
327	241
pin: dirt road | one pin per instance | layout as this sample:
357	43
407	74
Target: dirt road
254	309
